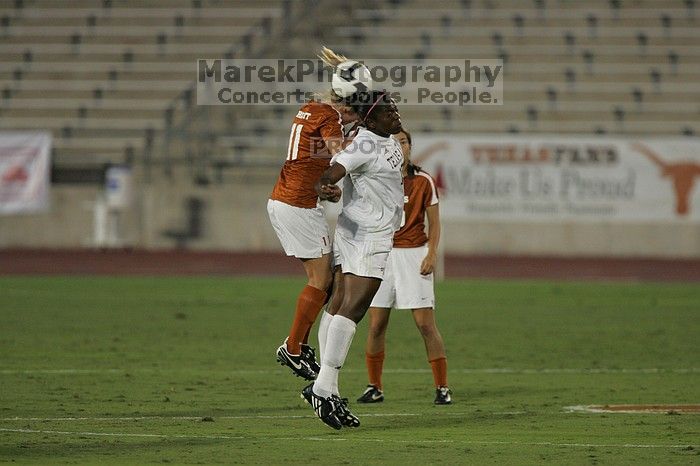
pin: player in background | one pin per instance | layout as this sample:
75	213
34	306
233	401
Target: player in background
298	218
371	214
408	281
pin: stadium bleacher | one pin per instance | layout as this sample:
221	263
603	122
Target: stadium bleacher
598	67
112	79
591	73
107	78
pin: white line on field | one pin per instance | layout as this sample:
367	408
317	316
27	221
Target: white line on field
117	434
64	371
341	439
491	370
199	418
187	418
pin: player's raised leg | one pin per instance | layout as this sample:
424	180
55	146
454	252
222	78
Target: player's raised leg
309	304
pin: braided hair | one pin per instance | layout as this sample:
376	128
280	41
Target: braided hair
364	103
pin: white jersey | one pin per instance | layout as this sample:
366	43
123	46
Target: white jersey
372	187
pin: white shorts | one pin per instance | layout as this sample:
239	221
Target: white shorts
404	287
303	232
366	258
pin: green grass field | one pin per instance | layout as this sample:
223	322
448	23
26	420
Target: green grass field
182	370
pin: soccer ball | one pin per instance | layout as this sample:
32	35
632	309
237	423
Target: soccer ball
350	77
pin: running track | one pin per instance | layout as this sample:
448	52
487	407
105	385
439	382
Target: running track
173	262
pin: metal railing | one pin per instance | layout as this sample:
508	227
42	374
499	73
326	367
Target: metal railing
188	136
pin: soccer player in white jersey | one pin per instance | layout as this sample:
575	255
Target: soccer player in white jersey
372	212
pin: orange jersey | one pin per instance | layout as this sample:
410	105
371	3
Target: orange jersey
419	194
307	154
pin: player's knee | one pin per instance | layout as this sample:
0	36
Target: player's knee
377	329
320	280
335	303
327	282
352	310
428	330
321	283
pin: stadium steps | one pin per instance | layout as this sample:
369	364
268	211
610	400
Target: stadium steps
57	123
100	77
635	69
90	104
653	54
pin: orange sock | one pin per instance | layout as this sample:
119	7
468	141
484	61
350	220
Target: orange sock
375	364
439	371
308	306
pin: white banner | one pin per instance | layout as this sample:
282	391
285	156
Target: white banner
25	168
554	178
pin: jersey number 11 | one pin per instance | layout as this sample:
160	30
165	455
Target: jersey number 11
293	148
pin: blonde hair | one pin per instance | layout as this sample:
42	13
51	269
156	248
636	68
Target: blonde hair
331	58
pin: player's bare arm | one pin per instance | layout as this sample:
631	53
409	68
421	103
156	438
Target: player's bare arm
326	187
428	264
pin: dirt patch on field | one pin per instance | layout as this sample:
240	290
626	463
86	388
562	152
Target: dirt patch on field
175	262
637	409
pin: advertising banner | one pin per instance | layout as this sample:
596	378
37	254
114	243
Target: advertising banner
555	178
25	171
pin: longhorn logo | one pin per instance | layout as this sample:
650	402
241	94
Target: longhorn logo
16	174
682	175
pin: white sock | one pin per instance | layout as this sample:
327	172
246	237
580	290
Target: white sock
341	331
323	332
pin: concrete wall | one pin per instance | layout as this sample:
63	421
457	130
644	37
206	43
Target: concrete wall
68	223
582	239
235	218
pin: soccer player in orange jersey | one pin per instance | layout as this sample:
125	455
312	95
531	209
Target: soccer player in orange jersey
408	281
298	219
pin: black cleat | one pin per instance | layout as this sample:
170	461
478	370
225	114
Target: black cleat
371	395
295	362
325	408
306	392
344	415
443	396
308	354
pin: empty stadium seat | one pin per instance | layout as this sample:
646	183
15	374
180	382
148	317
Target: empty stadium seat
68	67
91	70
